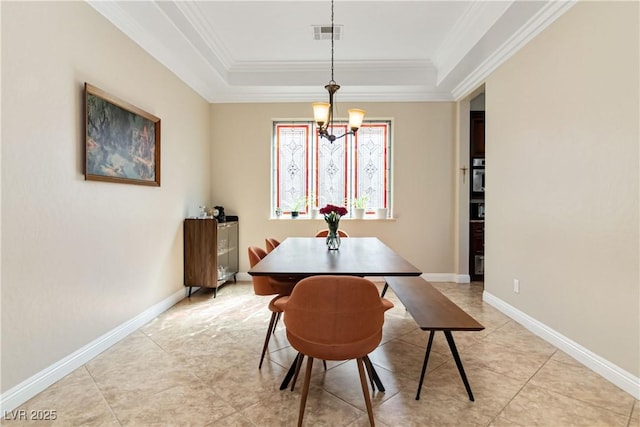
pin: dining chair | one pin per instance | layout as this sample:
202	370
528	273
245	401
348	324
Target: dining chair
334	318
265	285
271	243
325	233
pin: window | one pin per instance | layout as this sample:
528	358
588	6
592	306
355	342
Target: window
310	172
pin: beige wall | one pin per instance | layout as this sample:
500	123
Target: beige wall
423	161
562	180
80	258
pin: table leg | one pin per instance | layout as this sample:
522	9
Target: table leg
373	374
298	365
290	372
456	357
384	290
367	365
424	364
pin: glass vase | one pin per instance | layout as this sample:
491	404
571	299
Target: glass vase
333	238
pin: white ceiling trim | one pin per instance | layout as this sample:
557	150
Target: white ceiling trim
347	94
551	11
195	74
177	35
352	73
476	21
193	13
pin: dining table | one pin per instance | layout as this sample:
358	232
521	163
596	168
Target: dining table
357	256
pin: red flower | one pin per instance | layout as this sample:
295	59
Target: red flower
337	210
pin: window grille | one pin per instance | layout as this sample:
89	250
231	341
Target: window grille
309	172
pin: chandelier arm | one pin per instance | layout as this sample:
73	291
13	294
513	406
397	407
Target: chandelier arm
325	134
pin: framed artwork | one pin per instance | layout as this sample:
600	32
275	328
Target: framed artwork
122	142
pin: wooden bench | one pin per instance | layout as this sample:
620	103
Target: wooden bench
433	311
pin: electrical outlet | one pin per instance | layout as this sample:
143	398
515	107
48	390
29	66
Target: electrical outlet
516	286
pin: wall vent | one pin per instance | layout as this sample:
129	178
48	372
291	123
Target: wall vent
323	32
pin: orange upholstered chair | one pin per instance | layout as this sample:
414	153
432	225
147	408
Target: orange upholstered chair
271	243
334	318
325	233
264	285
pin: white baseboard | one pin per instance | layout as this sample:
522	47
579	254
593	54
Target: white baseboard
463	278
243	277
616	375
446	277
27	389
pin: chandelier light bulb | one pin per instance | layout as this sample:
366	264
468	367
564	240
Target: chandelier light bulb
321	113
355	119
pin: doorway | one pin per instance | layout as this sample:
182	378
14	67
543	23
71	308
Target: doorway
476	188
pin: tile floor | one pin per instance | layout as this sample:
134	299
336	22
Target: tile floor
197	365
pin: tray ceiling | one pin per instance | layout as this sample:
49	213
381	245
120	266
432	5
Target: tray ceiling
265	51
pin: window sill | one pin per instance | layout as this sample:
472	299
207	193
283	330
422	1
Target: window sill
306	218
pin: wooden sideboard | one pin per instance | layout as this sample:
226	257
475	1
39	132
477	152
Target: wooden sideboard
210	253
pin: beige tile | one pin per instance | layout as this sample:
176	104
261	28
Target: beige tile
463	339
363	421
197	364
581	383
205	366
119	388
562	357
403	358
243	385
183	405
73	401
343	381
234	420
501	421
508	361
397	326
322	409
285	357
486	315
134	353
492	391
461	294
535	406
517	336
436	410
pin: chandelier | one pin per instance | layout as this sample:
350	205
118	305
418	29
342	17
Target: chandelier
323	111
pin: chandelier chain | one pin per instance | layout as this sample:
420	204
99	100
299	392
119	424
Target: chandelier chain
332	41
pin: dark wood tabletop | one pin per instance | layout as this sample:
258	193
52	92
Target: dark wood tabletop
357	256
431	310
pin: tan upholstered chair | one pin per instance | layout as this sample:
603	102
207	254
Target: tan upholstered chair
334	318
264	285
325	233
271	243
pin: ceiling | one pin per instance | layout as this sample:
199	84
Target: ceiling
264	51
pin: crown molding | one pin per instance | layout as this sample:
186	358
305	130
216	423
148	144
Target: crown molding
551	11
196	55
478	18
